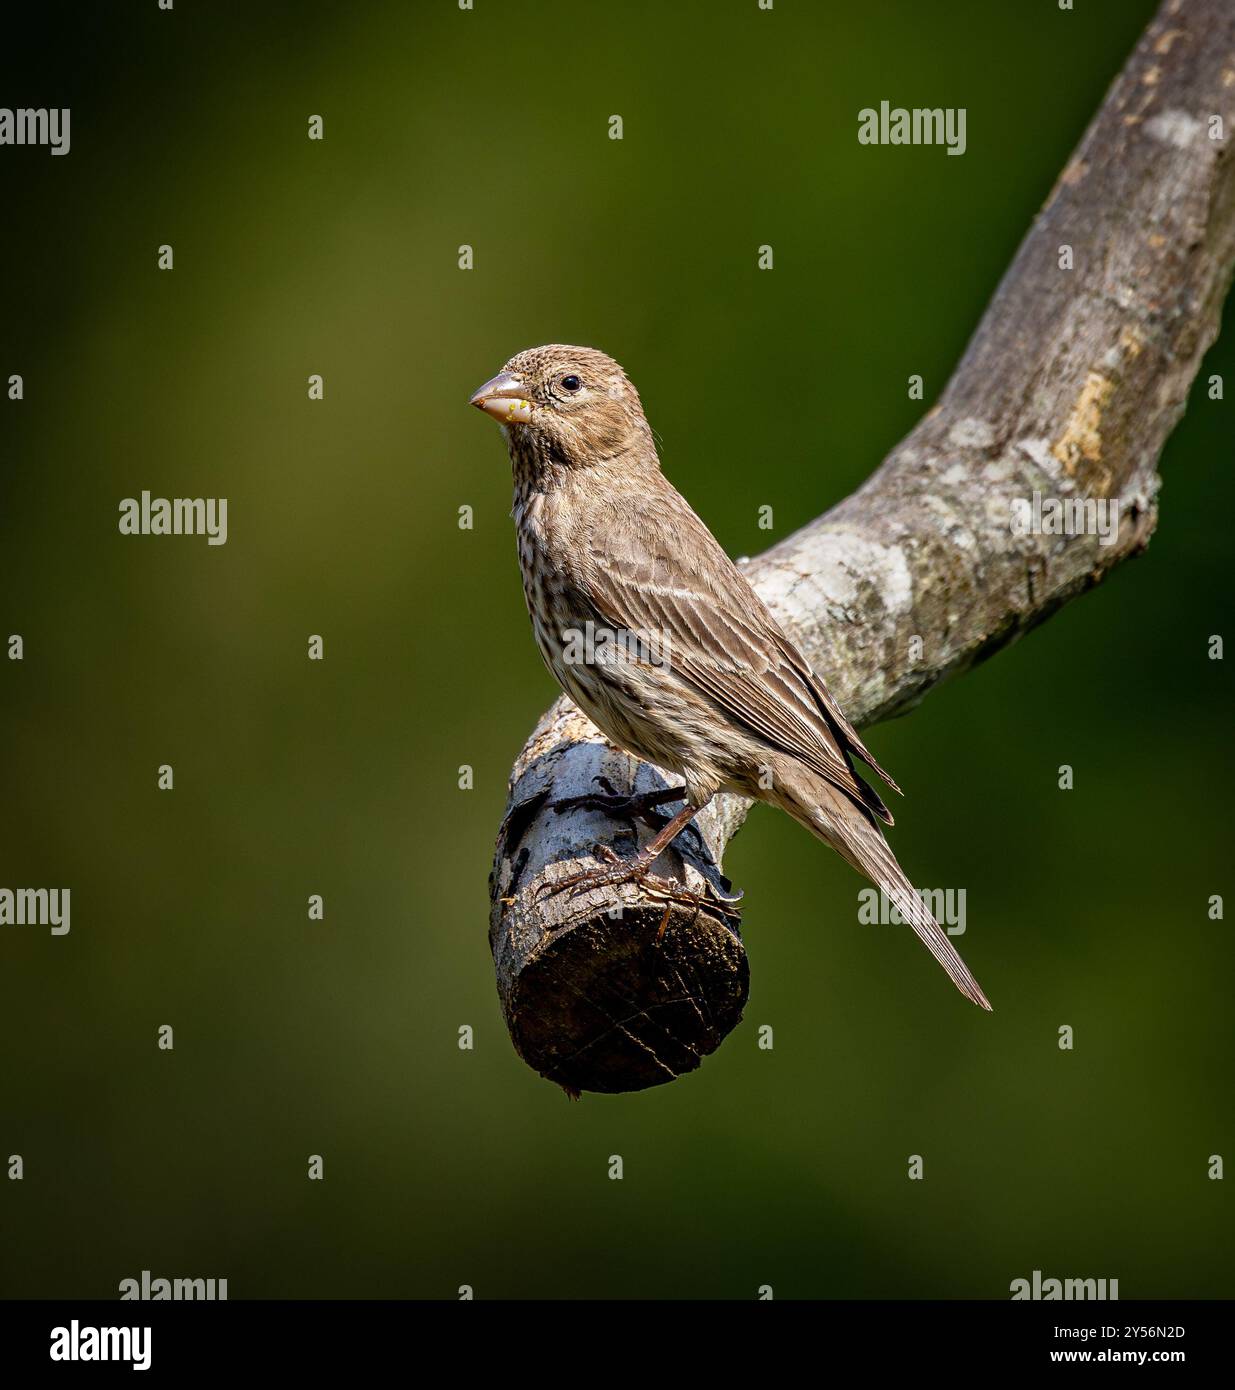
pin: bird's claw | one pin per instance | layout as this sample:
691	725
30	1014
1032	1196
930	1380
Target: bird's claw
638	871
616	870
727	894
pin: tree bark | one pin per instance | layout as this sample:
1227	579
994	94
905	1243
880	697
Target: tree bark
1068	389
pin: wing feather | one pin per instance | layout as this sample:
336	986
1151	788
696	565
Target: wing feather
726	644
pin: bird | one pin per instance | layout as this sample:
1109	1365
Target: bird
694	674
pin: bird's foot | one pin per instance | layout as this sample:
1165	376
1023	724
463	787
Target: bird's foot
671	893
628	808
615	870
638	870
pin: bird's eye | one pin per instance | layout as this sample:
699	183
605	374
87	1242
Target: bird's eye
571	383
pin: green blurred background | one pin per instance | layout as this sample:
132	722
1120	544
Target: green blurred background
339	1038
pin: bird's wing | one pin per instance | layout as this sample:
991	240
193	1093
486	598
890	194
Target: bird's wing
842	728
669	575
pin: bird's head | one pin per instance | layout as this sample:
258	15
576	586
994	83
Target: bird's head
568	405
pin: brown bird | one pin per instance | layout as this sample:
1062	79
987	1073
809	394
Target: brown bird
685	666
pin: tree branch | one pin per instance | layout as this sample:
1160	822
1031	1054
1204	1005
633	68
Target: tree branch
1068	389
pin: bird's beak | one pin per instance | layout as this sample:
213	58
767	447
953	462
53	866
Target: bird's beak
503	399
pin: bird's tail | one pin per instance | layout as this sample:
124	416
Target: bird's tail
852	832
